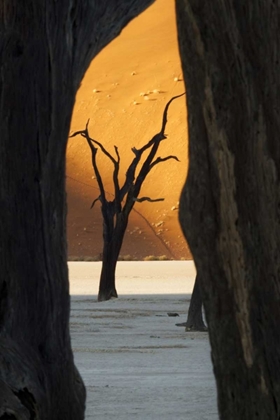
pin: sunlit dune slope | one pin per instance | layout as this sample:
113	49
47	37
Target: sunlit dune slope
144	59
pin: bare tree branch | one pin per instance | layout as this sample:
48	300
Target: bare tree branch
146	167
156	137
130	174
117	153
164	117
134	150
154	143
100	145
151	200
94	201
159	136
104	150
117	200
159	160
81	132
91	143
84	133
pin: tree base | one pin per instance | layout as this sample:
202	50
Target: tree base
107	295
196	327
201	327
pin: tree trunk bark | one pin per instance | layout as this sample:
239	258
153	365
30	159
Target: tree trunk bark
107	285
111	251
230	205
195	318
45	48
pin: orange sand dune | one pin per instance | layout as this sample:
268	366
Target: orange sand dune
144	59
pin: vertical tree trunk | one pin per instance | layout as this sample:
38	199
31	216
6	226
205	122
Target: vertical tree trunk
111	251
45	47
37	369
195	318
230	206
107	286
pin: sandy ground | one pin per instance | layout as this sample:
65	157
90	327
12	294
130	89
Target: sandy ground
144	59
135	362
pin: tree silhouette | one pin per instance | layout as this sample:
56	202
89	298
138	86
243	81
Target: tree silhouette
195	320
116	212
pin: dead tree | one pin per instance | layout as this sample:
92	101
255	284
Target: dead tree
116	212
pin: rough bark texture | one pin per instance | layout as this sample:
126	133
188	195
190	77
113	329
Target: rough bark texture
45	48
111	249
195	317
230	207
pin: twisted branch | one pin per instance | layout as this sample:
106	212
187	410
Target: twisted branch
159	160
151	200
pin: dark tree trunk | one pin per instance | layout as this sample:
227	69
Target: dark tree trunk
107	285
111	251
195	318
45	47
230	206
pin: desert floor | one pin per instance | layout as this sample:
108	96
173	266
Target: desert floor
136	363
